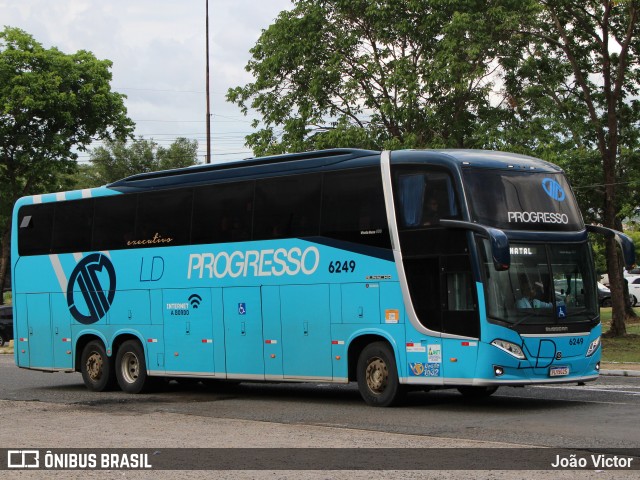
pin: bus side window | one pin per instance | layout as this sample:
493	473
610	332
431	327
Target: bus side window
164	218
287	207
353	207
35	229
72	227
424	197
222	213
114	221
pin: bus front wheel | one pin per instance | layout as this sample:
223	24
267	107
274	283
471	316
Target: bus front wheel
378	376
97	367
131	368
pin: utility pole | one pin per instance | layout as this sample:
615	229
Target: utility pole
208	159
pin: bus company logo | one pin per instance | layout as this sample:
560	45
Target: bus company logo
553	189
96	298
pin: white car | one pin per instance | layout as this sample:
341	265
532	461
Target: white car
634	289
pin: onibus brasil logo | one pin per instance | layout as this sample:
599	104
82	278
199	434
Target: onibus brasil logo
88	298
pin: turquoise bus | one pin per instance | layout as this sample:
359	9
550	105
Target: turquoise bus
396	270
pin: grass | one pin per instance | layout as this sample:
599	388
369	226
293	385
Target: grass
622	349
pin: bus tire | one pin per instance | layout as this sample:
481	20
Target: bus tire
378	376
131	368
476	393
96	367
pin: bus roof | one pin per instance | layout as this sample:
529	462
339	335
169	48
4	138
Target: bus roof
320	160
276	165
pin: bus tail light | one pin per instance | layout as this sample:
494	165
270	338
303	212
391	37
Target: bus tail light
593	347
510	348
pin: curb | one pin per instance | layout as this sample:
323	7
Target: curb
620	373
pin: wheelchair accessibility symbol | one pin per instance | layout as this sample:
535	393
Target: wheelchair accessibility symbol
242	309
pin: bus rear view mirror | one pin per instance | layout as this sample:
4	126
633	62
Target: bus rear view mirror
625	242
500	253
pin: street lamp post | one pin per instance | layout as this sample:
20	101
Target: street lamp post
208	159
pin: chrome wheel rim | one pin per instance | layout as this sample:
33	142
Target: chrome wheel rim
130	367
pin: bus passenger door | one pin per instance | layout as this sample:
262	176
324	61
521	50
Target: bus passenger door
243	332
188	331
306	332
39	328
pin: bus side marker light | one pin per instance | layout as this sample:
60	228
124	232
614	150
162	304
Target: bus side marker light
68	352
453	360
207	340
152	340
338	357
176	354
273	355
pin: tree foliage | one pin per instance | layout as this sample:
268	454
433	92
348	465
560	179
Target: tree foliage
553	78
579	74
118	159
52	104
386	73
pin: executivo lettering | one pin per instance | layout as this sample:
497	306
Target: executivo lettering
254	263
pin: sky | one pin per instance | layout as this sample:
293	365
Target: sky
158	51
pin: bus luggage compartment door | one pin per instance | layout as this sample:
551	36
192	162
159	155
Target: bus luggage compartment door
188	331
306	332
39	329
244	350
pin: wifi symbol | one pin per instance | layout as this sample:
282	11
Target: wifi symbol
195	300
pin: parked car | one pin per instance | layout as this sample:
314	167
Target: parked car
604	295
6	324
634	291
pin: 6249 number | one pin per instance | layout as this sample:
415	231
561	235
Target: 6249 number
342	266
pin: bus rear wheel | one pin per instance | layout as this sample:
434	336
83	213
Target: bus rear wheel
97	367
131	368
378	376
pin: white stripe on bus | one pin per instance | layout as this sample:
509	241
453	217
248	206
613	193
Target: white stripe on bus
57	268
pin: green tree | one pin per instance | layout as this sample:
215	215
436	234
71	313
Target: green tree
578	74
51	105
118	159
385	73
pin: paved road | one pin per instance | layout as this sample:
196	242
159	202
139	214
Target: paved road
604	414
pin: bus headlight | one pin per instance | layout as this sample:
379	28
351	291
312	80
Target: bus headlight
593	347
510	348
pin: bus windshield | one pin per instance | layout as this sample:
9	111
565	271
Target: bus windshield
546	284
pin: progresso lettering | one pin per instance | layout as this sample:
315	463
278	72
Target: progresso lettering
538	217
256	263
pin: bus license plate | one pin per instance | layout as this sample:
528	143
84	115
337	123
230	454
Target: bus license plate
558	371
